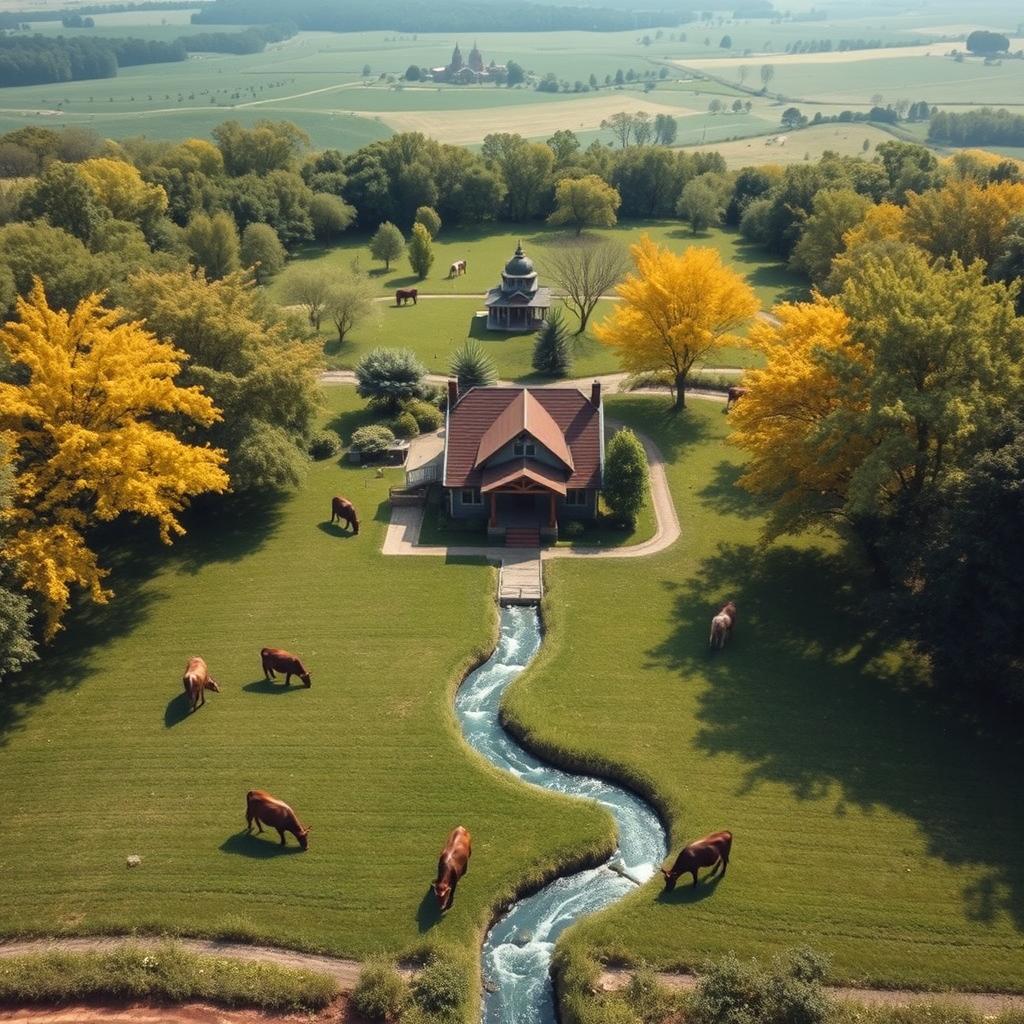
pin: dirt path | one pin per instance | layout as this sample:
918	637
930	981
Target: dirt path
185	1013
981	1002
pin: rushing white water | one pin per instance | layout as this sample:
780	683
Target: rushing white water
517	950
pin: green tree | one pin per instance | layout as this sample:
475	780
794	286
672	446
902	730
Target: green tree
387	377
266	146
472	367
429	218
51	254
243	357
329	215
307	287
421	251
836	211
213	242
585	202
17	648
666	128
565	144
701	204
387	244
526	168
551	352
1009	266
262	251
626	476
63	197
349	300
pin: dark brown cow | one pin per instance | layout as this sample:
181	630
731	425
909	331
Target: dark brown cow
274	658
452	865
404	294
733	395
197	680
722	626
264	809
712	850
345	512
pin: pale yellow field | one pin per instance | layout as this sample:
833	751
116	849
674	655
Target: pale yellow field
845	139
465	127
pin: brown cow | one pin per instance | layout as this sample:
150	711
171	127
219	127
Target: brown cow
712	850
404	294
733	395
197	680
265	809
274	658
722	625
452	865
345	512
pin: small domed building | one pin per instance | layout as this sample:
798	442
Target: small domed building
518	303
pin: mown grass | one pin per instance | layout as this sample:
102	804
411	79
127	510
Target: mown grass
100	760
164	972
874	819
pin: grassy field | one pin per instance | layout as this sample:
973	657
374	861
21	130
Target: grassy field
870	821
99	759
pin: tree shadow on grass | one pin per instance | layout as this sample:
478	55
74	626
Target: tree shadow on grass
672	431
815	693
259	847
726	497
428	913
346	423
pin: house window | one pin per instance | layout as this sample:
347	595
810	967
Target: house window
471	496
524	448
575	496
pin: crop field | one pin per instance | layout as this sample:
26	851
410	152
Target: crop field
856	797
805	144
100	759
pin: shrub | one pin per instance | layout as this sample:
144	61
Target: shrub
573	530
372	440
472	367
381	992
387	377
625	475
551	353
647	998
324	443
405	425
442	987
428	417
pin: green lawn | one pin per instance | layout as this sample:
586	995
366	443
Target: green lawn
99	759
870	821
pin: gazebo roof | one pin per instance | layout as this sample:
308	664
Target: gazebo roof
520	265
541	298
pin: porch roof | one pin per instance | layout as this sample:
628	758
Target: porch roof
494	478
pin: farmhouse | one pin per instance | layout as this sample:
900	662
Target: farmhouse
518	303
524	458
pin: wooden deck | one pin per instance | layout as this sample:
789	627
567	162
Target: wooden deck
521	578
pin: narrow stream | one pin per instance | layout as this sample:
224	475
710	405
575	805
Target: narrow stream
517	950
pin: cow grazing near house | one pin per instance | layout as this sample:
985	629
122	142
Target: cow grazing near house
197	680
273	658
457	269
710	851
452	865
403	295
733	395
264	809
345	512
722	626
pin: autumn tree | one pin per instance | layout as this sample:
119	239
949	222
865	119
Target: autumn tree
587	202
583	273
420	250
349	299
262	252
387	244
119	187
241	355
214	244
17	647
674	310
88	441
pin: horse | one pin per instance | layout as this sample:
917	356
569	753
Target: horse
345	512
456	269
733	395
709	851
197	680
451	866
404	294
722	626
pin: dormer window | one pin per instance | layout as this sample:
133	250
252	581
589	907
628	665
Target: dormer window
525	448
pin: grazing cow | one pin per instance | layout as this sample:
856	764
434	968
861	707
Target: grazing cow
457	269
712	850
197	680
345	512
733	395
722	626
264	809
452	865
404	294
274	658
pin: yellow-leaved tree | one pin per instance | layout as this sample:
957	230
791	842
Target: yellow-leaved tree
801	470
121	189
674	310
85	447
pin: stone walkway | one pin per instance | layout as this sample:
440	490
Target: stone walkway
520	580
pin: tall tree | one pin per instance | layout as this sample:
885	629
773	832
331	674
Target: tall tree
621	127
551	353
584	203
565	144
307	287
674	310
387	244
626	475
586	272
701	204
267	146
214	244
836	212
119	187
262	252
17	647
349	300
421	251
64	198
666	128
88	444
525	167
429	218
330	216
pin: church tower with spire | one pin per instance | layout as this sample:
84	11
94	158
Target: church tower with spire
457	63
476	60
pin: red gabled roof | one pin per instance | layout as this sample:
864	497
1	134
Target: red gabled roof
577	420
524	414
494	478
